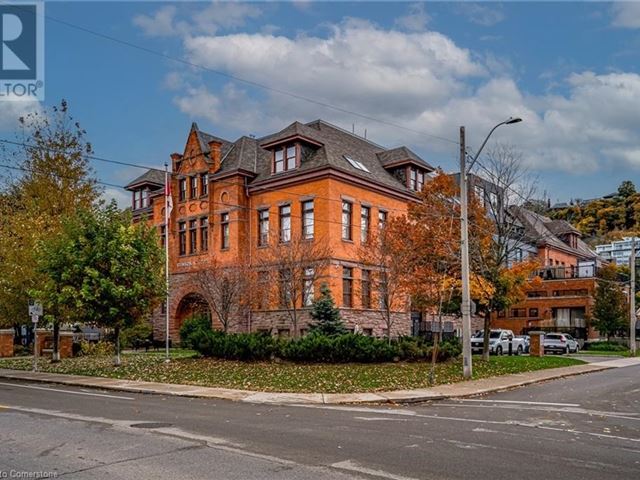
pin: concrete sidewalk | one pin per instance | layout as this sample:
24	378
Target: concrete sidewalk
460	389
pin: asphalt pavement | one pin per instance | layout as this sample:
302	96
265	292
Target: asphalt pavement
584	427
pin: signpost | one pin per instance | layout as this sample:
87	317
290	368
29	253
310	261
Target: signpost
35	311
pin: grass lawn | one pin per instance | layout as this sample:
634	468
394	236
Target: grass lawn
185	368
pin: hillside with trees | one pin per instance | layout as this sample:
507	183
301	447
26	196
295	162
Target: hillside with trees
604	219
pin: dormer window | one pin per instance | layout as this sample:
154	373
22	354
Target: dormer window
416	179
141	199
285	158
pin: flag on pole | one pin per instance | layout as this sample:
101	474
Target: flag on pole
167	193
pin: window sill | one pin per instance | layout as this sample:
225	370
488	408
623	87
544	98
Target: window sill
346	240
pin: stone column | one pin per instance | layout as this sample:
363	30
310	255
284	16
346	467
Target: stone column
6	342
536	348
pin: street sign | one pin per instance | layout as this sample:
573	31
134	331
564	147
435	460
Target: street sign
35	308
34	319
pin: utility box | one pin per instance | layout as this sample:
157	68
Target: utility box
536	348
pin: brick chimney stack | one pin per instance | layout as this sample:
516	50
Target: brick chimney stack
214	152
176	158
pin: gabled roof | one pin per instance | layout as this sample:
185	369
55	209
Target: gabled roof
205	138
295	130
400	155
540	230
562	227
152	177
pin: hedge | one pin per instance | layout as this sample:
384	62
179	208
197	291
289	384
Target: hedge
310	348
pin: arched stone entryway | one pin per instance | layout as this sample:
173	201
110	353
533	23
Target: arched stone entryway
191	304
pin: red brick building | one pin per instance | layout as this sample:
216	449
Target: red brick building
560	296
313	179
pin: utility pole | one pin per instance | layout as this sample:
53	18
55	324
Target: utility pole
632	297
464	254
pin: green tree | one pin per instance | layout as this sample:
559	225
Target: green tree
609	310
104	269
326	314
626	188
55	180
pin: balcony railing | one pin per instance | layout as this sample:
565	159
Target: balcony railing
564	273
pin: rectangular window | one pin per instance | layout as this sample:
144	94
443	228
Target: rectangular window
307	287
285	223
279	161
365	215
307	219
347	286
420	180
263	289
182	238
533	313
263	227
193	191
413	179
144	198
347	209
285	158
382	219
163	236
366	288
204	234
291	157
182	189
383	291
518	312
193	236
136	200
204	184
224	231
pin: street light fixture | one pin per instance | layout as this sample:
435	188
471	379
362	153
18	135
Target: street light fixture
464	243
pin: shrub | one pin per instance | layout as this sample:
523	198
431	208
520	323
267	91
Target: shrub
191	325
96	349
136	334
606	346
315	347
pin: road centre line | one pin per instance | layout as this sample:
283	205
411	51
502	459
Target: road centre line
71	392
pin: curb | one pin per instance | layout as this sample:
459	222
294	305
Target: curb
456	390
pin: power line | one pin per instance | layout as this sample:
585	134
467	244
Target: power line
244	80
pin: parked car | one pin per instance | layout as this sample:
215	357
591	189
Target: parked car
498	342
560	343
526	342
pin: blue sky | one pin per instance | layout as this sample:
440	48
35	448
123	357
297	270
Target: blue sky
569	69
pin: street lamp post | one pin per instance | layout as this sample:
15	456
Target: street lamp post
464	243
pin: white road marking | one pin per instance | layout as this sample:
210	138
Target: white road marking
582	411
355	467
381	419
521	402
71	392
515	423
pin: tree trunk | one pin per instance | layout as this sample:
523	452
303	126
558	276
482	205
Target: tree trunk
116	360
434	358
55	356
485	340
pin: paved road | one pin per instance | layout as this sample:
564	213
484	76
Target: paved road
585	427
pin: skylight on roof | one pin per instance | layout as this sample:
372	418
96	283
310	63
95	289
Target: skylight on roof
356	164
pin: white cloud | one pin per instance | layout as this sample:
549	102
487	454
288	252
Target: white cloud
12	110
416	19
625	14
483	15
422	80
122	197
217	16
404	72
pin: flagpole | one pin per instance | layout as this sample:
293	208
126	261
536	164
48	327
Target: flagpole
168	203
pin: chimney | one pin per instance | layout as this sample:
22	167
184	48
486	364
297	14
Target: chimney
176	158
214	153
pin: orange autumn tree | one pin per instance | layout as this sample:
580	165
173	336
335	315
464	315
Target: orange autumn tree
427	242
